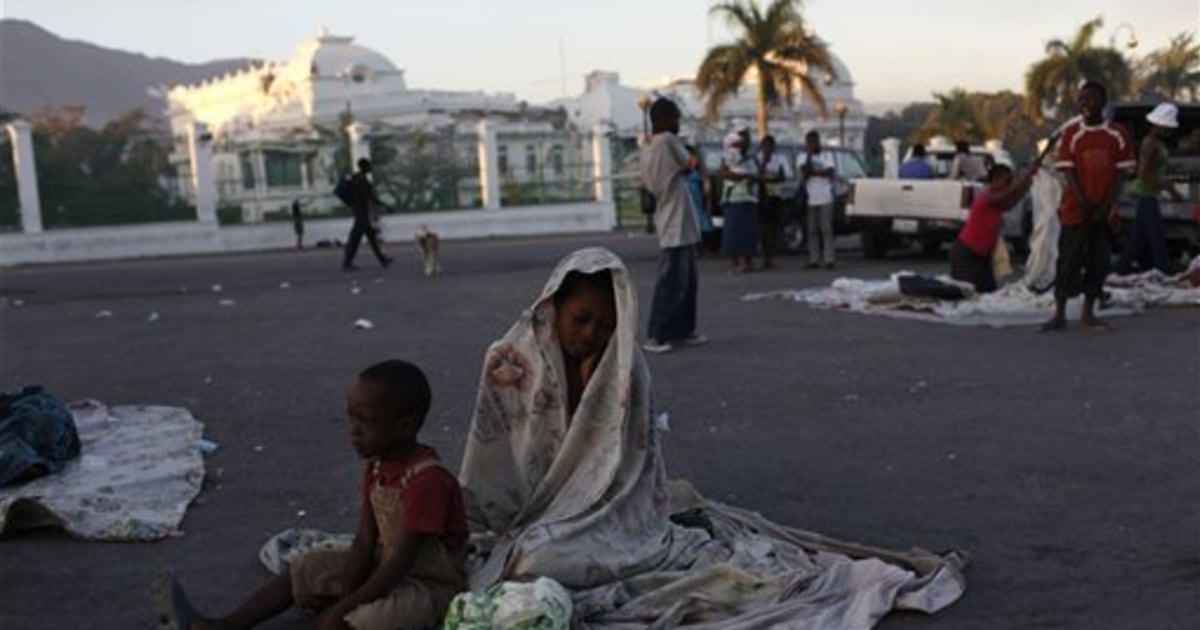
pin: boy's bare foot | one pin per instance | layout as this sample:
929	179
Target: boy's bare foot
175	610
1054	325
1091	322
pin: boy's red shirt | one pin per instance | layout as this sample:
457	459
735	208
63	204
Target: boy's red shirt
1100	155
433	500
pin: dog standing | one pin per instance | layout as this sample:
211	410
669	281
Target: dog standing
427	243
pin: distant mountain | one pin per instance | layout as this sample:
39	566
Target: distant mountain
38	67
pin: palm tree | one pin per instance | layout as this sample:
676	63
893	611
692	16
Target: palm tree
958	117
1050	84
1173	72
775	46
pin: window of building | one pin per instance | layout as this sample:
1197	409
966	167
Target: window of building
531	159
283	169
247	162
502	159
556	159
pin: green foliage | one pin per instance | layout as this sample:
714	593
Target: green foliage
1172	72
775	45
957	116
902	125
106	177
1051	84
419	170
229	215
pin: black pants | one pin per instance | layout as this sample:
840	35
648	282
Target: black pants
968	266
362	227
1083	258
673	311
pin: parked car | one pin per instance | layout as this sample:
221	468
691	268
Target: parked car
1182	218
847	163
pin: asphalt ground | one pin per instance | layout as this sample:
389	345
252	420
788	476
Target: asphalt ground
1067	466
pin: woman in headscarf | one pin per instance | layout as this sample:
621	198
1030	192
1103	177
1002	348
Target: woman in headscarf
741	177
564	478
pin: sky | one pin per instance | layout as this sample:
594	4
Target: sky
897	50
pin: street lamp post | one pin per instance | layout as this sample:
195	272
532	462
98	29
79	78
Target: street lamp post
1130	43
643	103
841	109
646	199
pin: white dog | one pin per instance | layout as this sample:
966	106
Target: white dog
427	243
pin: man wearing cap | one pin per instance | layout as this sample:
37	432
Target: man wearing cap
1094	157
1151	181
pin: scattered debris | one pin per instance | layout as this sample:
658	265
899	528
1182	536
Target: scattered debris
18	302
258	448
208	380
850	397
227	302
207	447
920	386
104	314
662	422
355	290
301	513
153	317
952	456
216	288
285	285
364	324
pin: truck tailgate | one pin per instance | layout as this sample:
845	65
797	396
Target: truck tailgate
908	198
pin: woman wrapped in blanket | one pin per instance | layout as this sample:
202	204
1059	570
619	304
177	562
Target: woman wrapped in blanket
564	478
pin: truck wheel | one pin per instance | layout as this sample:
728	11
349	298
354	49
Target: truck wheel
931	245
874	242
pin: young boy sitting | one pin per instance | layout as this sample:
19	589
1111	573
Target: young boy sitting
409	552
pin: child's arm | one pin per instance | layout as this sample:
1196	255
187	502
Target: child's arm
362	552
382	580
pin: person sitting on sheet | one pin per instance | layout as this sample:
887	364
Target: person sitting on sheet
407	560
971	254
564	478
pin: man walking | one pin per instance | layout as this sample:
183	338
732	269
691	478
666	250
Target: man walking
1094	156
664	174
362	195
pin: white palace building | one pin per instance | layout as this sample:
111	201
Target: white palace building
275	130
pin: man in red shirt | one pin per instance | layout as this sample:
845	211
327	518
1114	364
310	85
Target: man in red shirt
1094	156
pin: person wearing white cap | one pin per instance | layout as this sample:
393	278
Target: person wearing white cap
739	200
1149	229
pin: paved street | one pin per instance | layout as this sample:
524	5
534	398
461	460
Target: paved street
1068	466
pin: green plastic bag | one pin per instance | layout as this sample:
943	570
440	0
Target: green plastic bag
540	605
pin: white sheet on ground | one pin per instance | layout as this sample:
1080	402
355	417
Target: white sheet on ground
139	468
1012	305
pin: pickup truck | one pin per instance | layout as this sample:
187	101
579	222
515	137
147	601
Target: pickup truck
891	211
1182	218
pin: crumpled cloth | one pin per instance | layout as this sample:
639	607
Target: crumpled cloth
279	550
539	605
37	435
139	468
